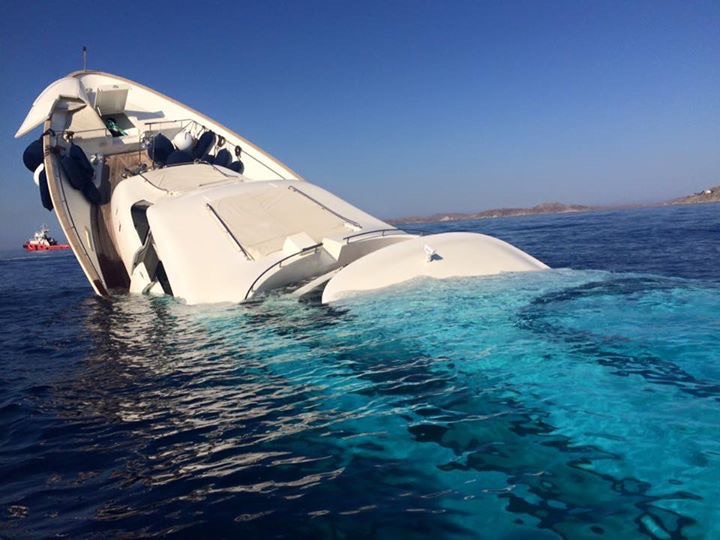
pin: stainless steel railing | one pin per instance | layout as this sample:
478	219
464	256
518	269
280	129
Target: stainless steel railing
229	232
278	264
330	210
381	233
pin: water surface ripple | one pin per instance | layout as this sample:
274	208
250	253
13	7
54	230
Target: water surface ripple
578	403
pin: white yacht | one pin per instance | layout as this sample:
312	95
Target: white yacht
157	198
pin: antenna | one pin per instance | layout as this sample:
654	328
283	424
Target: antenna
84	54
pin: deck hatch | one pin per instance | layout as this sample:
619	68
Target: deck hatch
263	219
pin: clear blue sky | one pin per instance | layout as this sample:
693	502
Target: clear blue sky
404	107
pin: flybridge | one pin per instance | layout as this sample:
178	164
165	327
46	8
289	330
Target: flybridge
157	198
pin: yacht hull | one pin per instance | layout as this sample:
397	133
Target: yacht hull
156	198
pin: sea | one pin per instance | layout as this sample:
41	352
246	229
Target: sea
582	402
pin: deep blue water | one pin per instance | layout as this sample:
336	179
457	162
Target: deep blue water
583	402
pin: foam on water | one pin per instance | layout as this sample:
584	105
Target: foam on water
570	403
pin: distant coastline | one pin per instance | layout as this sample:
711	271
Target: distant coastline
544	208
708	195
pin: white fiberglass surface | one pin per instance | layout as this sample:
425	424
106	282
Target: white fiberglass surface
263	219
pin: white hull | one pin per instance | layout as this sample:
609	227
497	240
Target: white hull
210	217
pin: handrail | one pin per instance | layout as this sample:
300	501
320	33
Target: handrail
279	264
199	161
73	132
185	122
217	169
191	121
107	132
321	205
178	121
141	175
150	127
227	230
383	233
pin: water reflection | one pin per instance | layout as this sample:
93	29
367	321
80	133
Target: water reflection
183	409
295	420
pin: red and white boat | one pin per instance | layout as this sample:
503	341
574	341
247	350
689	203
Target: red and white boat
42	241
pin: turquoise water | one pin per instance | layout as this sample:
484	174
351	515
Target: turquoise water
583	402
587	417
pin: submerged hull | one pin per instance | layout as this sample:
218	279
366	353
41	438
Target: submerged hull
157	198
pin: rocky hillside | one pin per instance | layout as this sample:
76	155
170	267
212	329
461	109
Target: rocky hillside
705	196
544	208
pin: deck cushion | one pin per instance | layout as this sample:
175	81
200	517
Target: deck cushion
204	144
159	148
33	155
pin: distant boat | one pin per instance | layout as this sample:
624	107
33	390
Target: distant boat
42	241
